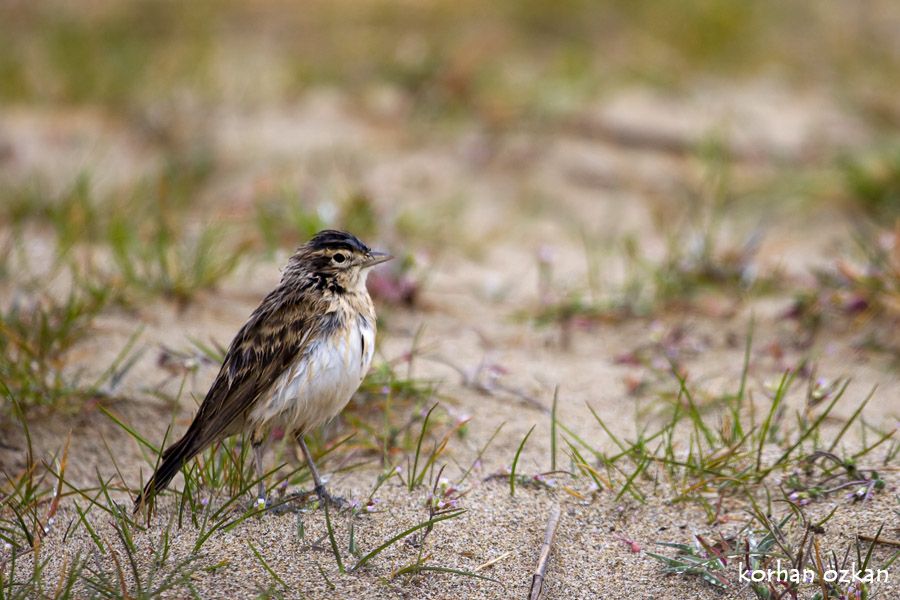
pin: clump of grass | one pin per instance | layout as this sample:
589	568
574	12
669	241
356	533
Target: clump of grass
837	476
21	495
736	456
655	286
117	58
414	475
702	259
285	220
872	181
863	289
153	247
120	568
790	548
161	265
72	213
215	483
129	576
139	241
730	457
35	337
421	464
78	214
117	568
442	504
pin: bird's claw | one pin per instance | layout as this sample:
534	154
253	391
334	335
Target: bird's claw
334	501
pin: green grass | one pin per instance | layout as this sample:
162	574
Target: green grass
688	271
736	456
439	511
515	462
872	181
117	57
157	265
286	219
36	334
71	213
709	258
714	448
762	544
498	62
116	570
135	243
708	269
737	462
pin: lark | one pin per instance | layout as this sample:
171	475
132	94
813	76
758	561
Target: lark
294	364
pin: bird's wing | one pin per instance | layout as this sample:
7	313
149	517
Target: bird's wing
278	331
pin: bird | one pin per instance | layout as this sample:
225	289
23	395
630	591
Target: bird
294	364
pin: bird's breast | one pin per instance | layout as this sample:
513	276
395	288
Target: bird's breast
321	380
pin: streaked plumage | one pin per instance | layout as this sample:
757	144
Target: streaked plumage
298	359
315	388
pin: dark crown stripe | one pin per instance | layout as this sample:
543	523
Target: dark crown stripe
333	239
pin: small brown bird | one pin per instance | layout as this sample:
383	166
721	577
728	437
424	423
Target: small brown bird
295	363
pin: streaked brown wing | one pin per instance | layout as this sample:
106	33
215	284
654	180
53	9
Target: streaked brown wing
277	333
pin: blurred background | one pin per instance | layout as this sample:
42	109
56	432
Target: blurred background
597	159
504	63
214	83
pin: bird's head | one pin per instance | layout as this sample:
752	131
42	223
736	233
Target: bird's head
339	259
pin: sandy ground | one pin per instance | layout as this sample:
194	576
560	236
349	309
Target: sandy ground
504	201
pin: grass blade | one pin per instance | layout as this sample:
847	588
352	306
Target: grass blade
331	538
512	471
429	523
553	429
265	565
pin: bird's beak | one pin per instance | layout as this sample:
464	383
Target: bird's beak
376	258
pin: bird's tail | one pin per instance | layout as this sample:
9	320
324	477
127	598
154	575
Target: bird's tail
174	457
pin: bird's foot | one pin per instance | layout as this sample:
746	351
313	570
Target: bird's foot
334	501
301	499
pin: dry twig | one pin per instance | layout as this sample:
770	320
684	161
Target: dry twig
537	580
879	540
491	562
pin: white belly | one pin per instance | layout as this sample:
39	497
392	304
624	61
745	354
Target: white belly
318	386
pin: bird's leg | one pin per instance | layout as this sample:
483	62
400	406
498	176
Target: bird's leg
258	451
321	492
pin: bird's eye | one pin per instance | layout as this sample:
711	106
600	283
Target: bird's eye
338	258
